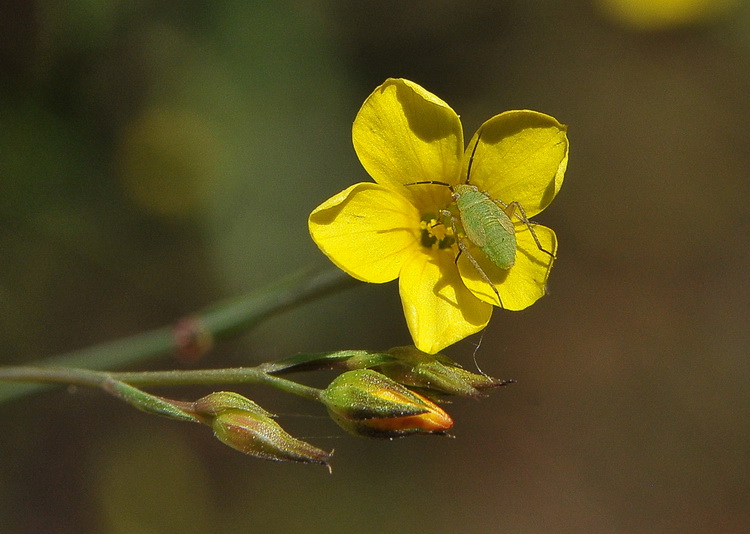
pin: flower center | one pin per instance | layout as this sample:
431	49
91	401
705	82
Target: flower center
436	232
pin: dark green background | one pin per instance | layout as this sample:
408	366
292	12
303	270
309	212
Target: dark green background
158	156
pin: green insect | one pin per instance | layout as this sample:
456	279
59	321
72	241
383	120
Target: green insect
486	223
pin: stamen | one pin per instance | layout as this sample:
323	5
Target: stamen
435	232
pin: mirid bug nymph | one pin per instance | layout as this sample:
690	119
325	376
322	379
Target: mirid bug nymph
485	223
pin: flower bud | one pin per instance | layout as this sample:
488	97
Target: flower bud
367	403
434	373
219	401
248	428
262	437
429	373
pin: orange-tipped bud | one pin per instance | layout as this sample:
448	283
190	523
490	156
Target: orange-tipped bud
367	403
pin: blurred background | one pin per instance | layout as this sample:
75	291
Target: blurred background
158	156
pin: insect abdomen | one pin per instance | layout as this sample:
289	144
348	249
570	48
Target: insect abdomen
500	247
487	226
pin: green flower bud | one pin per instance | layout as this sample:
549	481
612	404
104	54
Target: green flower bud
262	437
430	373
243	425
434	373
219	401
367	403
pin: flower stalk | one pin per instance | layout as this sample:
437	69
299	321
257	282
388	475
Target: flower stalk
220	321
376	395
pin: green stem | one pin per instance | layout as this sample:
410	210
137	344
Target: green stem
149	403
220	321
51	375
104	380
234	375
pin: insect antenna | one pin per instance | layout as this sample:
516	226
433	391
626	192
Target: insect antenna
471	158
498	383
474	356
430	182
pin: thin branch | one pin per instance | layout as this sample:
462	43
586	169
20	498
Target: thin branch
101	379
217	322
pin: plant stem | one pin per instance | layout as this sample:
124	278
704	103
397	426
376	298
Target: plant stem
52	375
101	379
217	322
234	375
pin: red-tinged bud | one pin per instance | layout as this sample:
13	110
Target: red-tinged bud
367	403
262	437
243	425
192	340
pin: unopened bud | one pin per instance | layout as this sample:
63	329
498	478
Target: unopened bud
367	403
435	372
263	437
219	401
248	428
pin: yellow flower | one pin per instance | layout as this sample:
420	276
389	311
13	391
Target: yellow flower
381	231
665	14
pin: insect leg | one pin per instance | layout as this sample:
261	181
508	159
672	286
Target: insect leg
510	211
463	248
530	226
448	215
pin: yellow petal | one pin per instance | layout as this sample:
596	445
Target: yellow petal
366	230
439	309
525	282
404	134
521	156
